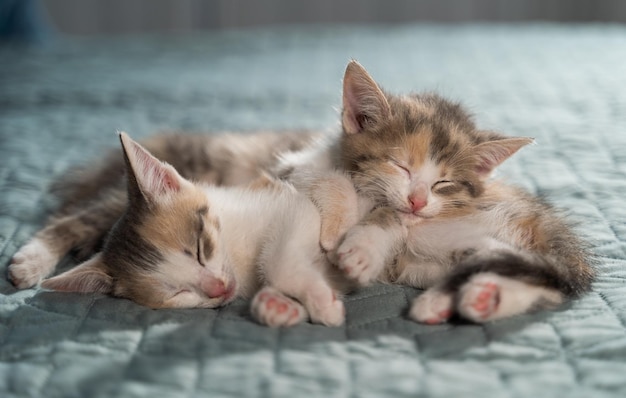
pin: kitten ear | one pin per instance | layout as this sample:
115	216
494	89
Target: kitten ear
88	277
491	154
363	101
148	177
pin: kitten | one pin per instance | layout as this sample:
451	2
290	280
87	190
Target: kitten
181	244
412	172
482	249
93	197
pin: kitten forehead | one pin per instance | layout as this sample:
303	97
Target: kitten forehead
417	146
173	225
430	171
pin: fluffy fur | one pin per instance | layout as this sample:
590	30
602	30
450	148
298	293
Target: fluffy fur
483	249
404	193
180	244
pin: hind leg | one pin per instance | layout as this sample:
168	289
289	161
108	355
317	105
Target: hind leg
298	269
83	230
488	296
481	297
323	303
306	283
432	307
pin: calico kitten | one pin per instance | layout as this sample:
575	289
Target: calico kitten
181	244
482	249
93	197
429	215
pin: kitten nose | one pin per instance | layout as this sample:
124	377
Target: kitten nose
417	202
214	287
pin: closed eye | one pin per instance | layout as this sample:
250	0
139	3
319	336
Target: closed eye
181	292
198	255
446	187
199	252
402	167
442	183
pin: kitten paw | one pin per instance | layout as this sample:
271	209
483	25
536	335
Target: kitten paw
272	308
479	300
329	313
330	235
31	264
359	257
432	307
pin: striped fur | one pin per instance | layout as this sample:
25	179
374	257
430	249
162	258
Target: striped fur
472	241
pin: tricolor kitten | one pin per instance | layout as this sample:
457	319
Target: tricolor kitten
412	172
180	244
93	197
483	249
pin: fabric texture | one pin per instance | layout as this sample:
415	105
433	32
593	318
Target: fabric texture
61	105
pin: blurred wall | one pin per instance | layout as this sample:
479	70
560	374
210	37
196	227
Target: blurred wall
87	17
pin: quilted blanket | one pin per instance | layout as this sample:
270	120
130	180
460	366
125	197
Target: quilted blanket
61	105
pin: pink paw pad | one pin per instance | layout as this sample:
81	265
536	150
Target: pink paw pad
487	300
273	308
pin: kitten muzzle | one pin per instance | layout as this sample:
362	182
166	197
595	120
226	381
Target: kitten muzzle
217	288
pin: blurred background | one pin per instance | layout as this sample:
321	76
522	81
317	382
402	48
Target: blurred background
33	19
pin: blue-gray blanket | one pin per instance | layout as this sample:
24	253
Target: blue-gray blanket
62	104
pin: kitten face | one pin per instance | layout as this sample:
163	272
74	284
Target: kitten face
402	163
419	154
165	251
172	257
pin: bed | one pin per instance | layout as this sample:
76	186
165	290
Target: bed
61	104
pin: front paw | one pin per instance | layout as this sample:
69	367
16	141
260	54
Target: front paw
432	307
272	308
31	264
331	233
326	309
359	256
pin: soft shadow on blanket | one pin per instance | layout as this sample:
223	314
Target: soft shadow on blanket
44	319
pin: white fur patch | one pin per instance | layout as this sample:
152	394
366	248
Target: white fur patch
363	253
184	274
421	274
432	307
272	308
33	262
488	296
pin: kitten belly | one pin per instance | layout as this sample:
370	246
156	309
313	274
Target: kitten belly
438	240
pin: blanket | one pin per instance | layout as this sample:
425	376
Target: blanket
61	105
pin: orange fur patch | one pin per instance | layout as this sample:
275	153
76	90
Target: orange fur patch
418	146
174	225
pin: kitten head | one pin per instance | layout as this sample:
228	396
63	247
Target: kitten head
420	154
165	252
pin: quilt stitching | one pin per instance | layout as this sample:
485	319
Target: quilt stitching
513	77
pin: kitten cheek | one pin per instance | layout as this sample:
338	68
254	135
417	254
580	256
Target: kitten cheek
183	299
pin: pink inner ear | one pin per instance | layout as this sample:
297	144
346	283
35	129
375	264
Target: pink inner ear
492	154
487	164
153	175
363	101
351	109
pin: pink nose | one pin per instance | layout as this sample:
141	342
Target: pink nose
214	287
417	203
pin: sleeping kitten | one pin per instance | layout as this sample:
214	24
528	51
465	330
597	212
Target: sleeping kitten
418	161
181	245
484	250
93	197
